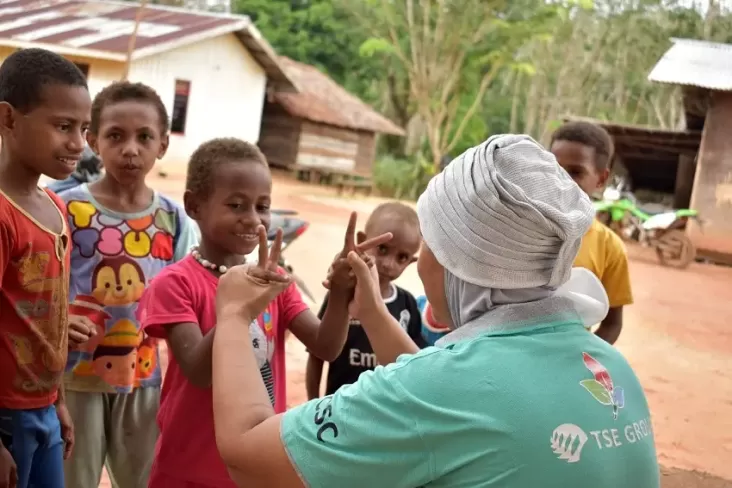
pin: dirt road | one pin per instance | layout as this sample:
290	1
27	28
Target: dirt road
677	337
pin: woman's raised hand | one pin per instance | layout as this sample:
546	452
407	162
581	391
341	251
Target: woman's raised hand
340	273
367	295
248	289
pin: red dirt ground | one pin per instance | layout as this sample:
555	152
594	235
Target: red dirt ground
677	337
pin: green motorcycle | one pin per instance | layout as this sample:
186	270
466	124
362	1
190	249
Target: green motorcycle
663	231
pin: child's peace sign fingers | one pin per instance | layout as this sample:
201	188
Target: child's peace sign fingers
263	249
274	252
349	243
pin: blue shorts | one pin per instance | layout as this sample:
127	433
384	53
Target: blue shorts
33	438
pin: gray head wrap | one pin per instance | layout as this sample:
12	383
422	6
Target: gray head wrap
506	222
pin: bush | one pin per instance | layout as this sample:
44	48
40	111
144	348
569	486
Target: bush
401	178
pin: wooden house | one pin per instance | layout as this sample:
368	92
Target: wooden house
212	71
321	126
704	72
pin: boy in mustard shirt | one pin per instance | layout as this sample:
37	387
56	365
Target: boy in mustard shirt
585	151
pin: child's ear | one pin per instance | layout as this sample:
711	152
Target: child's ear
91	139
360	237
7	117
164	142
604	175
191	204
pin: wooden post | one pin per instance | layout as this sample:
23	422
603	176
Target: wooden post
133	39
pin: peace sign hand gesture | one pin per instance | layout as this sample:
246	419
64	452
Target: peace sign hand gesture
340	275
246	290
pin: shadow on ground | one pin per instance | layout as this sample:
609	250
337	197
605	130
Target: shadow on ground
676	478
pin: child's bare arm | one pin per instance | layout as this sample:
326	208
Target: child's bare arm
616	280
324	338
6	243
192	350
611	326
313	375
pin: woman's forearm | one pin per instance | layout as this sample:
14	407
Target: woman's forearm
240	399
387	338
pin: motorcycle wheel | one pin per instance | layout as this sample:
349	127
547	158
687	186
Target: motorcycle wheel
675	249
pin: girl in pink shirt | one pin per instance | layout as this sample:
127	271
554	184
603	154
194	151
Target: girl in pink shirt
228	193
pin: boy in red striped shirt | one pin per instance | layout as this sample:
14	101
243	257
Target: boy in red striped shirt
44	112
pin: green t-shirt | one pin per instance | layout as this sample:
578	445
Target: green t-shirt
547	406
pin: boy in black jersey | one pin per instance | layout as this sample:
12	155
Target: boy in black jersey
391	259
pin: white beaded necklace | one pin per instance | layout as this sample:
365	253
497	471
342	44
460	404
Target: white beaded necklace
206	263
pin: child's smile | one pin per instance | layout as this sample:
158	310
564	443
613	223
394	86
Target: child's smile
237	206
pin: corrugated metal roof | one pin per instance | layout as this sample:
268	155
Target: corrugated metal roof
101	29
639	136
320	99
696	63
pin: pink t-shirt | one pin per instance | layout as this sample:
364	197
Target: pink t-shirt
186	292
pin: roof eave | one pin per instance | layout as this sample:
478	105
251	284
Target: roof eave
64	50
670	71
186	40
395	131
266	56
387	128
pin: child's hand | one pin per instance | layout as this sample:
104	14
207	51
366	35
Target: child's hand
8	469
367	296
67	428
81	329
246	290
340	273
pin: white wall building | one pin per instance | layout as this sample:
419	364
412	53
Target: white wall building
212	71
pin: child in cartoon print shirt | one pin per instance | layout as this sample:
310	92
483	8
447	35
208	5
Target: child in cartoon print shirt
123	235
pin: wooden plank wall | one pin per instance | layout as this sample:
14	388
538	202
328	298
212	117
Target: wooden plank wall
366	153
279	137
325	146
712	194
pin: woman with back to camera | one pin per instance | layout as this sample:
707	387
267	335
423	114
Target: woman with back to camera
517	395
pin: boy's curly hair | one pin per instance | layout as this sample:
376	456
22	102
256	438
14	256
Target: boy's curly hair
24	73
590	135
125	91
214	153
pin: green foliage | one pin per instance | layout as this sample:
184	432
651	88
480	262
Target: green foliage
428	63
315	32
402	178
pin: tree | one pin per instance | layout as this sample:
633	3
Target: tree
451	52
314	32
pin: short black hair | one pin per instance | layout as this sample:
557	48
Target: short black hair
588	134
125	91
404	213
25	72
214	153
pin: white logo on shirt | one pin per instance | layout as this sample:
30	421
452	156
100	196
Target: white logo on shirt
567	441
404	317
362	359
259	343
